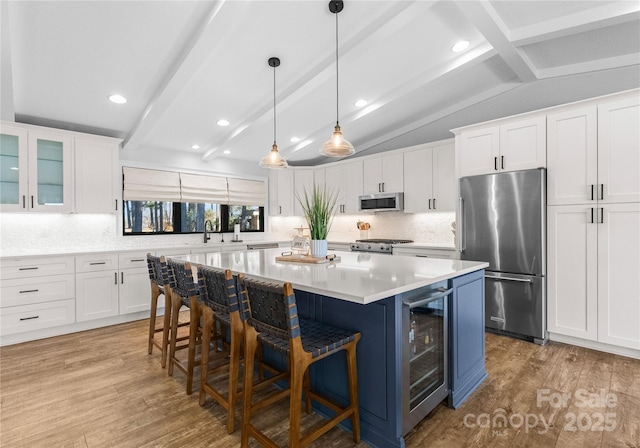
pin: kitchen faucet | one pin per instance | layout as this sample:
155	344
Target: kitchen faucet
206	235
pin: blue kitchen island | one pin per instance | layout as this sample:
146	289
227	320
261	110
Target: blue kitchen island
382	296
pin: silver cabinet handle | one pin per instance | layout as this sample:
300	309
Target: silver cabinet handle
442	293
509	279
461	229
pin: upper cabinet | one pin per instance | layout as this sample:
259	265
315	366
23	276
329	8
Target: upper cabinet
593	153
429	179
512	146
345	179
96	176
303	180
36	170
383	174
281	192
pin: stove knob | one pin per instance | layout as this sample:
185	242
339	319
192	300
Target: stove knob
369	246
381	248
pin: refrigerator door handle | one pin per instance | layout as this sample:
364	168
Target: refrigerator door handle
510	279
462	229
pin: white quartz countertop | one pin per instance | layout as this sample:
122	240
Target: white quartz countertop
358	277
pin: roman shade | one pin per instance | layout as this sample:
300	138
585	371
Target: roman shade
150	185
245	192
204	189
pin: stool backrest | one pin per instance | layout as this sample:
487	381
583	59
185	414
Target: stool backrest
217	289
269	307
158	272
181	278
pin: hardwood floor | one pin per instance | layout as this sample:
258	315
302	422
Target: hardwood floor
100	388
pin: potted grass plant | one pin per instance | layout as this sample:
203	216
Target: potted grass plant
319	207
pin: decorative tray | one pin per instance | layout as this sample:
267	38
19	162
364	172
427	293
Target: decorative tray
298	258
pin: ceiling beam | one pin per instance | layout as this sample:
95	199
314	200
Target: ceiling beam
488	22
192	56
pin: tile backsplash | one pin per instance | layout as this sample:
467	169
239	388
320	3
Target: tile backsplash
34	233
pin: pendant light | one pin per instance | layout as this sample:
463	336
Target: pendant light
274	159
337	146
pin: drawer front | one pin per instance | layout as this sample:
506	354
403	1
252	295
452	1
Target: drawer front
18	319
426	253
97	262
17	292
27	268
132	260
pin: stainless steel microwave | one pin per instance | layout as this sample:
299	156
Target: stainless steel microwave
381	202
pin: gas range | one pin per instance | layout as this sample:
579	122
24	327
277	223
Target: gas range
378	245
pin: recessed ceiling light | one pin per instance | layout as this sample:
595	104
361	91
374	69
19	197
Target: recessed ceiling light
195	146
294	139
226	151
361	103
118	99
460	46
223	122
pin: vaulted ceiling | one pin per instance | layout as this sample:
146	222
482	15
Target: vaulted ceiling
184	65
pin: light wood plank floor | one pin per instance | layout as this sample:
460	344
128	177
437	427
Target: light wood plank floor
101	389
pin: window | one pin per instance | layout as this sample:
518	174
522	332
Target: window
157	217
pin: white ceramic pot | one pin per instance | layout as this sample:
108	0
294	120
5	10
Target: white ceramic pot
318	248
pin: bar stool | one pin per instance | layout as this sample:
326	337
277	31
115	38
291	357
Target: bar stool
271	318
158	277
220	303
184	292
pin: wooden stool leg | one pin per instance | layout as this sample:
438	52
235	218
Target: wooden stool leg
207	323
353	391
155	293
176	303
234	370
194	323
166	327
295	401
307	392
250	344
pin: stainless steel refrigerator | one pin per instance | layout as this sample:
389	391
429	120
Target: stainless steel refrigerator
503	221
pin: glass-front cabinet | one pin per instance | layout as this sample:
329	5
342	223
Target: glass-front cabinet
35	171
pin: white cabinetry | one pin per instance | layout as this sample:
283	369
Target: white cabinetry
36	294
281	192
426	252
510	146
96	286
594	222
383	174
110	284
345	179
593	287
36	170
429	179
134	288
302	182
96	161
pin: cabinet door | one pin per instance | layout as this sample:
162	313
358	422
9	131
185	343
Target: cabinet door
392	173
96	176
281	192
478	151
445	188
523	145
302	181
50	173
353	178
372	175
618	281
13	169
134	291
418	182
96	295
618	150
335	181
572	156
572	301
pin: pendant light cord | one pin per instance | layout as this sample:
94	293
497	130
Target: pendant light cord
274	105
337	83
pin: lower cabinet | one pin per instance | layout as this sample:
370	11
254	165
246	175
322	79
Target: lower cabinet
593	265
110	285
426	253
